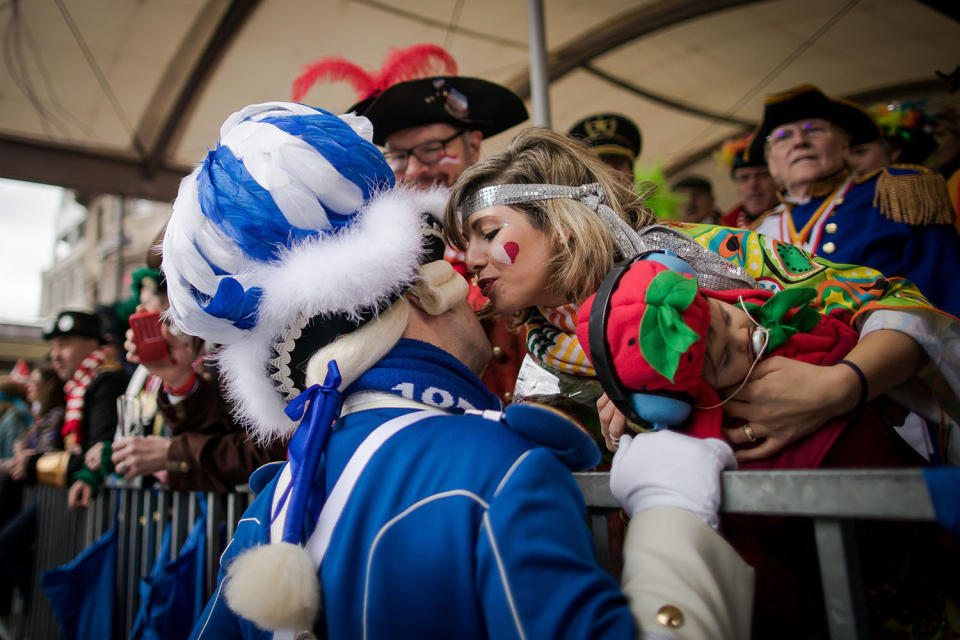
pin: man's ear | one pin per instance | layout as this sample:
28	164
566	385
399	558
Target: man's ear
474	139
414	300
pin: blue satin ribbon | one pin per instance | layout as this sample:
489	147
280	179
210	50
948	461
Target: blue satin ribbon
316	408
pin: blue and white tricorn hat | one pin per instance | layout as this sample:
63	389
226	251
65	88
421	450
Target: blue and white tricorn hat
289	234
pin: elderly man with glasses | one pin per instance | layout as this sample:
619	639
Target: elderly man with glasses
896	219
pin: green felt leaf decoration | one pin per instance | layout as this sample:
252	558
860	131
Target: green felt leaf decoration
664	337
771	315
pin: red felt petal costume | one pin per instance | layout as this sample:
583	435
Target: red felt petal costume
827	342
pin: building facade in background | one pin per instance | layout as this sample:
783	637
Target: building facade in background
96	249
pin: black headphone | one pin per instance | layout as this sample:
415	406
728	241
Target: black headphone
677	405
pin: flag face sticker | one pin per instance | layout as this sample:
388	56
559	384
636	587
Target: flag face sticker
506	252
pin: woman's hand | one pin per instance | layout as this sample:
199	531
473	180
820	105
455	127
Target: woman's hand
140	456
786	400
613	424
176	369
92	457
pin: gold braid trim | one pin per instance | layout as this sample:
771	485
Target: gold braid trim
52	468
917	199
111	364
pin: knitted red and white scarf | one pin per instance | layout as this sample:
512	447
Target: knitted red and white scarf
75	390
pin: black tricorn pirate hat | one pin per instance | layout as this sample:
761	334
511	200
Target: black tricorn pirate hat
807	101
470	103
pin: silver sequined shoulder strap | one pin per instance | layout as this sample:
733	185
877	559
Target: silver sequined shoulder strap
713	272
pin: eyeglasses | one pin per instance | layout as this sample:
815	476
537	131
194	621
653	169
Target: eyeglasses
426	153
811	130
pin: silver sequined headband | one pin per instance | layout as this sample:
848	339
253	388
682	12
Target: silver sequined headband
590	195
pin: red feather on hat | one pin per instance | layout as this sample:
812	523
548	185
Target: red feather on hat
399	65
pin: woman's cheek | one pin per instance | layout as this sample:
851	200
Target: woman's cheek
506	253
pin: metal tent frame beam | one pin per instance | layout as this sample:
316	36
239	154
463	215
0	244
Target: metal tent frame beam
617	31
150	176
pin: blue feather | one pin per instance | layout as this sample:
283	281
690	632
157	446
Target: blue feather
242	209
232	302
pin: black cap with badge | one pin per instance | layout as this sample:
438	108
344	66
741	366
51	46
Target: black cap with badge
74	323
609	134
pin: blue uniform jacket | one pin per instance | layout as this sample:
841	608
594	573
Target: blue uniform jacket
459	527
858	233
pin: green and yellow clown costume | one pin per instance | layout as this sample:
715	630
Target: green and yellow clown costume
847	292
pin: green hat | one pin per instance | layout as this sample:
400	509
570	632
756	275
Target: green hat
806	101
609	134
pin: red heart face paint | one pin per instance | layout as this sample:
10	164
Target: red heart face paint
506	252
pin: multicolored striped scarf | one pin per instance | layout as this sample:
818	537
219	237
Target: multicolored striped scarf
552	339
75	390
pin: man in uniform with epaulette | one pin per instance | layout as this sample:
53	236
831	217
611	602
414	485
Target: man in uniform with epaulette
93	380
897	219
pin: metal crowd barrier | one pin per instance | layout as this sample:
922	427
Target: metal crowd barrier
833	499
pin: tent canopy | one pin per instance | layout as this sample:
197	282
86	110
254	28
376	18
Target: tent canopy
123	97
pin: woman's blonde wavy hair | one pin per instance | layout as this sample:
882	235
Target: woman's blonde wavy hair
582	245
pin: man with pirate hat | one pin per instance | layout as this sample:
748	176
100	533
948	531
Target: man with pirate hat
410	505
431	123
897	219
613	137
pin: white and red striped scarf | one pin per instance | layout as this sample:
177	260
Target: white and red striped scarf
552	339
75	390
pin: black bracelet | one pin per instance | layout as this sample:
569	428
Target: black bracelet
864	390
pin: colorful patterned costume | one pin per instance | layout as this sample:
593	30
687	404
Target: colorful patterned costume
843	291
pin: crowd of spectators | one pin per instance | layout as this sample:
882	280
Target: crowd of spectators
873	187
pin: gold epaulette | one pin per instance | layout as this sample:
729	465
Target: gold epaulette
916	198
52	468
110	364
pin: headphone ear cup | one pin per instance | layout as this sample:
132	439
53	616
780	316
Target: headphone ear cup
659	409
600	355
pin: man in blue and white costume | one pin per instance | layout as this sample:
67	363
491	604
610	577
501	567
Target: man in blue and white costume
292	247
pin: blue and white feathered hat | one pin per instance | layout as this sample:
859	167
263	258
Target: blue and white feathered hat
291	231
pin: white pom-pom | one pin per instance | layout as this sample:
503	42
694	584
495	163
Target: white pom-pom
275	586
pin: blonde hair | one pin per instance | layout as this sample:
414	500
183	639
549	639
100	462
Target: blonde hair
582	245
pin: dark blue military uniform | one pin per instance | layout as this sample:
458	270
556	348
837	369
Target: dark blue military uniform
866	227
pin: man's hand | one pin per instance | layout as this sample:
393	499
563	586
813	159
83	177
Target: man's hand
786	400
18	466
79	495
140	456
669	469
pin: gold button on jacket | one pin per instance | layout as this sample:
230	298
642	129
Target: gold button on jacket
670	616
831	227
829	248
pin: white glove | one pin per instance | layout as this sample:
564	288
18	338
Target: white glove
669	469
